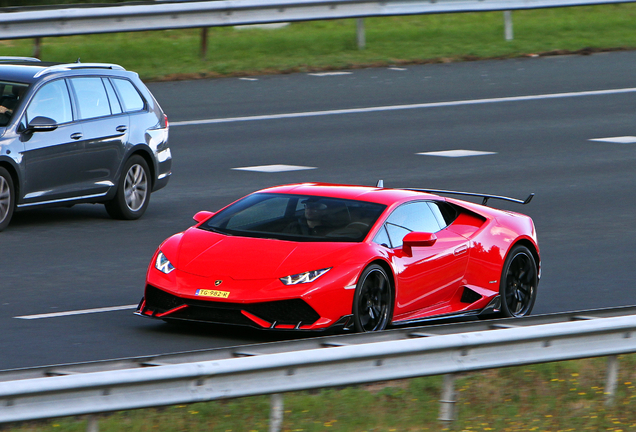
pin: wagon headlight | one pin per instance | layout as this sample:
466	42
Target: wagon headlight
162	264
306	277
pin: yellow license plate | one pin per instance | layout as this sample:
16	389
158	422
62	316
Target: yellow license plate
212	293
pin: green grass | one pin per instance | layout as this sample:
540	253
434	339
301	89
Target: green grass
325	45
563	396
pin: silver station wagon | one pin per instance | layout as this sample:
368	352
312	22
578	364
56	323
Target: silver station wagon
79	133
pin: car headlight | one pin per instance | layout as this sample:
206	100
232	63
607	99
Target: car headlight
306	277
162	264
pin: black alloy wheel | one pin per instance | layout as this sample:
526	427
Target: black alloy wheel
519	281
7	198
133	191
373	301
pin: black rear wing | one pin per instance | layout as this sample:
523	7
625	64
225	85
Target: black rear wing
485	197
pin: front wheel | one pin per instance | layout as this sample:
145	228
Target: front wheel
373	301
133	191
519	281
7	198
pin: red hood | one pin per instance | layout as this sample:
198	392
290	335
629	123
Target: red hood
207	254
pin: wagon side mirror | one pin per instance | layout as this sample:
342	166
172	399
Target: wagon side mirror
202	216
41	124
417	239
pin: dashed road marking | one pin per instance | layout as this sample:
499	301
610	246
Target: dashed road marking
618	140
77	312
322	74
274	168
457	153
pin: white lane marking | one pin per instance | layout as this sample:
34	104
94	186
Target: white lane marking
397	69
322	74
77	312
457	153
403	107
249	79
274	168
619	140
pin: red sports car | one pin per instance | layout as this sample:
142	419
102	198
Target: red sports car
317	256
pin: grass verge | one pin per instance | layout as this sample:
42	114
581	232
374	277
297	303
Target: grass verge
326	45
562	396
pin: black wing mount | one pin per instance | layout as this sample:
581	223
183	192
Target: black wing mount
485	197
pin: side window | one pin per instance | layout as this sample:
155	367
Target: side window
416	216
91	97
52	101
130	96
382	238
115	107
444	213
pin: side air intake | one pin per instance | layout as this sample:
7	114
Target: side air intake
469	296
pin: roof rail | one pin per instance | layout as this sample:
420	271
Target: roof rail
485	197
69	66
7	59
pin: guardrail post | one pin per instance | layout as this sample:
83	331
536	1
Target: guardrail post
37	47
508	34
204	42
92	424
611	379
362	43
447	402
276	413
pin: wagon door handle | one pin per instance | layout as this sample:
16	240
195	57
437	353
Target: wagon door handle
121	128
461	250
76	135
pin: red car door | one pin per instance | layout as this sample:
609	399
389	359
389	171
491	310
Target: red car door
426	276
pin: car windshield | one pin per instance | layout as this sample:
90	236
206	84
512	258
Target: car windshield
10	94
297	218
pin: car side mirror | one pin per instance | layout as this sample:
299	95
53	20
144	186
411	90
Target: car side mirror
417	239
41	124
202	216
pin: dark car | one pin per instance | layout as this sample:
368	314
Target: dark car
79	133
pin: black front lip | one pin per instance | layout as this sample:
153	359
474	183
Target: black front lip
345	323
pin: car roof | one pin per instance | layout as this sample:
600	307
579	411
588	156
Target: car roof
360	193
30	70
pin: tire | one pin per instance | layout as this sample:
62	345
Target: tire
519	282
7	198
133	191
373	300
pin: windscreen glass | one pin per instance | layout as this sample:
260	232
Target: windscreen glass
297	218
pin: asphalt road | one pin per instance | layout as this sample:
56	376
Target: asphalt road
352	128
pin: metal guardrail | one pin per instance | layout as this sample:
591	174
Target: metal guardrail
407	353
164	15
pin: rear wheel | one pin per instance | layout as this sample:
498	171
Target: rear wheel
373	301
519	281
7	198
133	191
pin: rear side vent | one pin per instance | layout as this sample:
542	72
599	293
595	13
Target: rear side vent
469	296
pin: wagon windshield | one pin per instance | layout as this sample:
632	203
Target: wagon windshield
297	218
